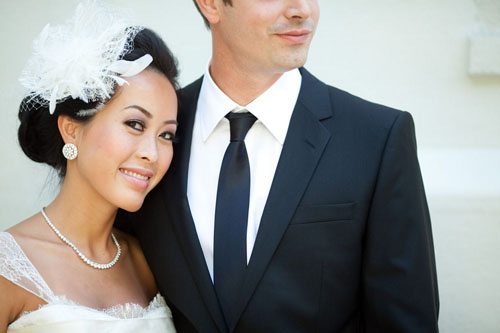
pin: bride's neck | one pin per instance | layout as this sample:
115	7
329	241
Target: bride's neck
82	215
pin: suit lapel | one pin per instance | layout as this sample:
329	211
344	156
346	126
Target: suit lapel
304	144
178	207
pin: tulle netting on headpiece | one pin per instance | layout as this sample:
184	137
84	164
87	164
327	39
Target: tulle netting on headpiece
81	58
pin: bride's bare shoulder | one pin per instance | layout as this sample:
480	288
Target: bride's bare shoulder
31	228
11	305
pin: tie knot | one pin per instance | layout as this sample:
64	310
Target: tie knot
239	124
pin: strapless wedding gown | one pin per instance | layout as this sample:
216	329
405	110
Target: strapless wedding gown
63	315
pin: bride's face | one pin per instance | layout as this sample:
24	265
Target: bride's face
125	150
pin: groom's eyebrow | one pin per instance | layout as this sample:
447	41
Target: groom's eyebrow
140	108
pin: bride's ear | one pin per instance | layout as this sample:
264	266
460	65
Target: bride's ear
69	129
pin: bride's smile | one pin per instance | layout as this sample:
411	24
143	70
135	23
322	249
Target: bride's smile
138	177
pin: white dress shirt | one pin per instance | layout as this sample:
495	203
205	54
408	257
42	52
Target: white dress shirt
264	143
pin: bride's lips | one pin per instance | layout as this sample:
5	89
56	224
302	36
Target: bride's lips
137	177
295	37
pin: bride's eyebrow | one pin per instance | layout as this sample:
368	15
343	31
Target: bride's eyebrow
140	108
148	114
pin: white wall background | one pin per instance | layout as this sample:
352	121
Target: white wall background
411	55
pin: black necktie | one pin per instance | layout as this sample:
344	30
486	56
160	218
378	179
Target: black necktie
231	215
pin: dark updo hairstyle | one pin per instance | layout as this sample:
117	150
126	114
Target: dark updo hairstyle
38	132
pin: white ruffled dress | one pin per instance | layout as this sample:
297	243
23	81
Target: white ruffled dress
63	315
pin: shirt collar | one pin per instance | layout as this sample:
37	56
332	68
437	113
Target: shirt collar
273	108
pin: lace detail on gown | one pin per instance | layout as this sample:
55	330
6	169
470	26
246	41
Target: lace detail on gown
121	311
132	310
15	267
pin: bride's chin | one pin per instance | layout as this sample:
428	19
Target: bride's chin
132	207
131	202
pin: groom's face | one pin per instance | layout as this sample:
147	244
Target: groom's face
267	35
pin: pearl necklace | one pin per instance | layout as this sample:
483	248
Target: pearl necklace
79	253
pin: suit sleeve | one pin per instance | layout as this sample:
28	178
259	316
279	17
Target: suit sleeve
399	274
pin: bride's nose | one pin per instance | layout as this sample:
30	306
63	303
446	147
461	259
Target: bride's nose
148	149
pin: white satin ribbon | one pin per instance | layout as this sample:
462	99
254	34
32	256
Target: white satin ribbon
130	68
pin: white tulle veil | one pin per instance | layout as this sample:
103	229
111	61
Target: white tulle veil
82	57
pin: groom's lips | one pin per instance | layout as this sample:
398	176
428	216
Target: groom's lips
295	37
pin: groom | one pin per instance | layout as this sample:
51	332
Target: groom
290	206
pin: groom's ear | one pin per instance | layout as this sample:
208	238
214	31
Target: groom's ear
210	9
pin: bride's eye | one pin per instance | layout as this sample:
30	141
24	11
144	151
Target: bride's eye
136	125
169	136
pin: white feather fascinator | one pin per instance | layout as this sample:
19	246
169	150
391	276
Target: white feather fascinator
81	58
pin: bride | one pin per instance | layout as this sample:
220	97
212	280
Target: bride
101	110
